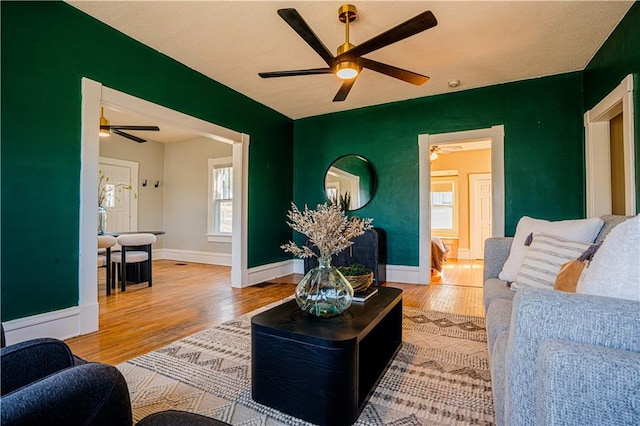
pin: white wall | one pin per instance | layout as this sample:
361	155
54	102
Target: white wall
179	205
186	192
150	157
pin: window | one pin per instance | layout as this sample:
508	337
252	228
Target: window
444	215
220	220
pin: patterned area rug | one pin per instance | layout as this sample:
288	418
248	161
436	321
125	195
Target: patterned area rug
439	377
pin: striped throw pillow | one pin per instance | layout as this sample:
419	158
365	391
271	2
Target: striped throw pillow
543	260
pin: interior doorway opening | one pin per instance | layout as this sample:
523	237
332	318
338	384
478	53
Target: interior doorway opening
460	207
96	96
492	141
610	153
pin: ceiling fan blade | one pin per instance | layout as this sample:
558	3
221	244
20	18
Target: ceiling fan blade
413	26
391	71
128	136
295	21
344	90
295	72
124	127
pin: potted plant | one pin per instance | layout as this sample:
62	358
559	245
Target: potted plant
324	291
358	276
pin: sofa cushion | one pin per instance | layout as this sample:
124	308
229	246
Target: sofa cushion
614	270
498	363
582	230
498	319
543	260
569	274
495	288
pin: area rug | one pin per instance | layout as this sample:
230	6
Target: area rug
440	376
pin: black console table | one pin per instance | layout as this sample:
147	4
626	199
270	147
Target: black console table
324	370
369	250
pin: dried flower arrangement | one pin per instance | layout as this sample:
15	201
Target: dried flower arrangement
327	227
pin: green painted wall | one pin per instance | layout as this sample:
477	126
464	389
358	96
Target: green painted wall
47	47
618	57
544	155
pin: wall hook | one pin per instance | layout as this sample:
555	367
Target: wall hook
144	182
157	184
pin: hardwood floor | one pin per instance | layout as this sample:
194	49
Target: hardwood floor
460	272
189	297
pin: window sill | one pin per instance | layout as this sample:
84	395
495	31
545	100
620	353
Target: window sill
219	238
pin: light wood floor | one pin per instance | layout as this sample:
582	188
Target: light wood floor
188	297
460	272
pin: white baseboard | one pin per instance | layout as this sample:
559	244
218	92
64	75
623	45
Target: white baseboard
403	274
262	273
61	324
223	259
464	253
298	266
88	320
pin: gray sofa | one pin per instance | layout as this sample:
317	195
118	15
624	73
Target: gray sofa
560	358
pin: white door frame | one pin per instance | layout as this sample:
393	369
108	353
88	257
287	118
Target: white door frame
133	205
597	155
496	134
95	95
474	232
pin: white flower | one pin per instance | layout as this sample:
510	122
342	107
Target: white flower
327	228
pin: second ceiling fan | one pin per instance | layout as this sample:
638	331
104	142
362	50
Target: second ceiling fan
349	62
106	128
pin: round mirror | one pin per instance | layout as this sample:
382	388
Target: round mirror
350	181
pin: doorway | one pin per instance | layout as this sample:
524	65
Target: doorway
117	180
94	95
495	139
610	153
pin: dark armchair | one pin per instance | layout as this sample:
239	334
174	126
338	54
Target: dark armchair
43	383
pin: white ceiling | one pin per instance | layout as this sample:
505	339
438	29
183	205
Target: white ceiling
480	43
166	134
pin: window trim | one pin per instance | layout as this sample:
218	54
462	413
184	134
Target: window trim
212	236
448	176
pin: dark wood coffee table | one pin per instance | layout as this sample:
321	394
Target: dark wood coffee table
324	370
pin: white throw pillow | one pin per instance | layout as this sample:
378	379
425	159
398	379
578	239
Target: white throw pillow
581	230
614	270
543	260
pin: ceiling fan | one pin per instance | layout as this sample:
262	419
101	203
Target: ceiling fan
349	62
106	129
436	150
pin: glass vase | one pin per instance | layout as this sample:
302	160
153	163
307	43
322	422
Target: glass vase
102	220
324	292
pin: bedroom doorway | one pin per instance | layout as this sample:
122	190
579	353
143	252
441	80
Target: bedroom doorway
460	210
459	154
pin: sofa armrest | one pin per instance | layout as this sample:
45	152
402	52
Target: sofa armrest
26	362
585	384
89	394
540	315
496	252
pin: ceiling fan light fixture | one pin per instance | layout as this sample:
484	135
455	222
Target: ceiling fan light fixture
433	156
347	70
104	122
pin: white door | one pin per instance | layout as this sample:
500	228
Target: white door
117	189
480	212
